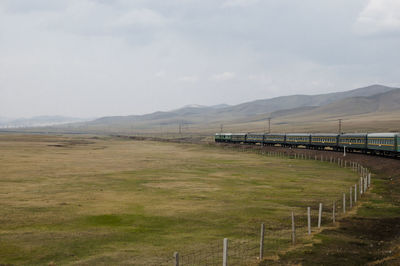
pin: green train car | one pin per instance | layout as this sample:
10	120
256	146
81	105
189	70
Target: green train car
353	141
223	137
297	139
238	137
255	138
218	137
384	143
323	140
272	139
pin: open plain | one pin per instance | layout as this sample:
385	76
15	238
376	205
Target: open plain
103	200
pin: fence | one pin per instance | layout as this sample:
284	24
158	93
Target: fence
273	239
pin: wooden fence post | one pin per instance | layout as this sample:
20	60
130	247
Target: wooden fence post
225	253
344	202
262	241
319	215
366	183
293	230
361	185
369	179
351	197
309	220
176	257
355	193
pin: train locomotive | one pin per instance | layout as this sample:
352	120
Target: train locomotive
369	143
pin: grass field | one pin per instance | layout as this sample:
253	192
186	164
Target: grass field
91	200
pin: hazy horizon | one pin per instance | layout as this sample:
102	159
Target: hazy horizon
86	118
94	58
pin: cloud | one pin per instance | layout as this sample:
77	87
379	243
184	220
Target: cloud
239	3
160	74
143	17
223	76
134	57
98	18
379	17
189	79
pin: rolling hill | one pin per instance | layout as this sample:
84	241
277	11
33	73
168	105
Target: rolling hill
379	103
372	108
285	110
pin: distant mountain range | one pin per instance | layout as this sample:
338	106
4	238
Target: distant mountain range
372	108
37	121
285	110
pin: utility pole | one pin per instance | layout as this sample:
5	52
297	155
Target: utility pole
222	127
340	126
269	124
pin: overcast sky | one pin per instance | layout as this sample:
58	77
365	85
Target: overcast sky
88	58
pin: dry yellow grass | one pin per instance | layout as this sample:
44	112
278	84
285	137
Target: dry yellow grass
90	200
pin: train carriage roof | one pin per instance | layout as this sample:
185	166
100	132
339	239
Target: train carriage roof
255	134
324	135
354	135
298	134
383	135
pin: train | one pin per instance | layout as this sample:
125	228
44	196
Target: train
387	144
